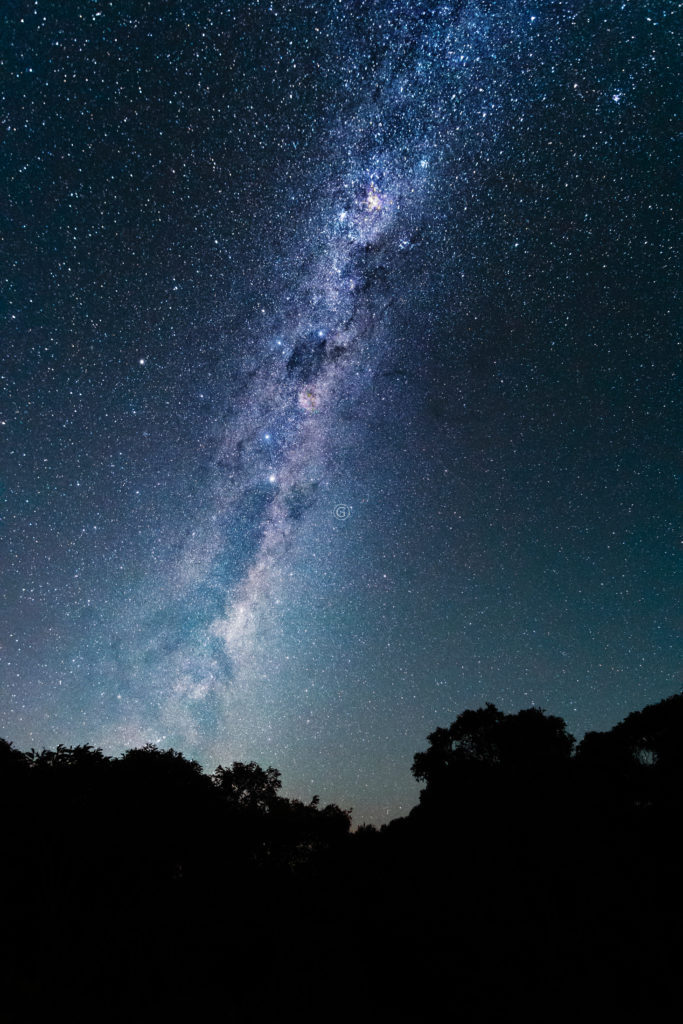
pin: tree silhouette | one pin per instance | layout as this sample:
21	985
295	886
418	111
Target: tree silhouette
640	761
482	744
248	785
12	761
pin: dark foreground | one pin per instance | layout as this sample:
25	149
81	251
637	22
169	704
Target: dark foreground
532	877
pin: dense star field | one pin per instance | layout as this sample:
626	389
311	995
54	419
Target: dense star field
337	375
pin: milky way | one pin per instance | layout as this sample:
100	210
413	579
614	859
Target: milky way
322	347
339	364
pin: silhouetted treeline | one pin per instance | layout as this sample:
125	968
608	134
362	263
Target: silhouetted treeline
534	875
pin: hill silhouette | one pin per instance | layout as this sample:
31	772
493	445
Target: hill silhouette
535	873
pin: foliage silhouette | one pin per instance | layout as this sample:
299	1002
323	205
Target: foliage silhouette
141	880
248	785
529	739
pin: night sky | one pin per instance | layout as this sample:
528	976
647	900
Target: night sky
337	375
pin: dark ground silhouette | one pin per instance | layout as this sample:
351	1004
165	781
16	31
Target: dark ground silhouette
534	876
